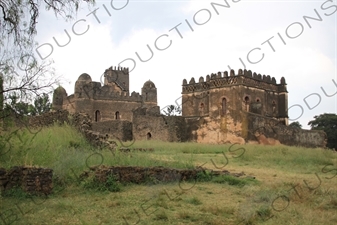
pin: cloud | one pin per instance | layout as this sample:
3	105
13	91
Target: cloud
307	62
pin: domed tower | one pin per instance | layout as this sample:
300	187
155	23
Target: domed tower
149	93
59	96
82	86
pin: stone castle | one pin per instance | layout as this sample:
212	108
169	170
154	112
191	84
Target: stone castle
222	108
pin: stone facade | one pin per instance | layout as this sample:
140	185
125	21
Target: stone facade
222	108
241	108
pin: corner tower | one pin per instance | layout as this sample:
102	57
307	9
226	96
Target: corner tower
117	77
149	93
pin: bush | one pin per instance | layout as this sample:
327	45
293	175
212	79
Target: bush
204	176
229	180
110	184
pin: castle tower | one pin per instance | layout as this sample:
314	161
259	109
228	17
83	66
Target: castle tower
59	96
226	93
283	102
149	93
83	88
117	78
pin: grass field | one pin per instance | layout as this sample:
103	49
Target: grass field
293	185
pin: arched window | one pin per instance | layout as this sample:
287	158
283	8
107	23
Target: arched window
117	115
247	103
97	116
274	108
202	109
224	106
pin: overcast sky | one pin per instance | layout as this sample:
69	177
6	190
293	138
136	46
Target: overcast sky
196	38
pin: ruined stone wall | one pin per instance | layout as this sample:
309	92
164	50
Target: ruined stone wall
30	179
275	130
115	128
129	174
160	127
215	131
69	104
49	118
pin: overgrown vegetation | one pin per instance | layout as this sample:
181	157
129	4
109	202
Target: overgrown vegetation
211	199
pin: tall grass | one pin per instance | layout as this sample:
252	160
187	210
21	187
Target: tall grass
65	150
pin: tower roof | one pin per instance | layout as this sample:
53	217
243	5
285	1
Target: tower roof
149	84
84	77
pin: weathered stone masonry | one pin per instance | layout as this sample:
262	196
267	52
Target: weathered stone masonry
30	179
222	108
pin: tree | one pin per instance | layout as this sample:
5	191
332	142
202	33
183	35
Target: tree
41	105
296	125
19	18
172	110
328	123
22	75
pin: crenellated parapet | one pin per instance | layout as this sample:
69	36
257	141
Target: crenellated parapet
225	79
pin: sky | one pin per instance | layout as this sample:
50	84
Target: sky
292	39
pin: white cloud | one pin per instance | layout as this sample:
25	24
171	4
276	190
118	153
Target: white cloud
305	62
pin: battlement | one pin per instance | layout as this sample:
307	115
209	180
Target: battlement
243	77
118	68
117	76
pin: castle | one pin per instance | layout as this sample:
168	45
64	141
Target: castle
222	108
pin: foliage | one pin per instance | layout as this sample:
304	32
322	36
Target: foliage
230	180
15	192
328	123
14	107
111	184
22	75
41	104
19	18
296	124
172	110
204	176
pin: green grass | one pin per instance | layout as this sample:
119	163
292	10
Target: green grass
210	200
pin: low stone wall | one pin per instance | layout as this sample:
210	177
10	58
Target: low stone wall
30	179
49	118
134	174
129	174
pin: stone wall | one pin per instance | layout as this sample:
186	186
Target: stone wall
214	131
49	118
272	129
129	174
121	129
160	127
30	179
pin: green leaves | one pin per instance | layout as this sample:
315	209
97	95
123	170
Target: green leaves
326	122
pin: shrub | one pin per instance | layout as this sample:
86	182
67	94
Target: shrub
110	184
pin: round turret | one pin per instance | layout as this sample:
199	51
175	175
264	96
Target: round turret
59	96
149	92
149	85
84	77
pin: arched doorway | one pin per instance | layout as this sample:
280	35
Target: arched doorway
148	136
97	116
